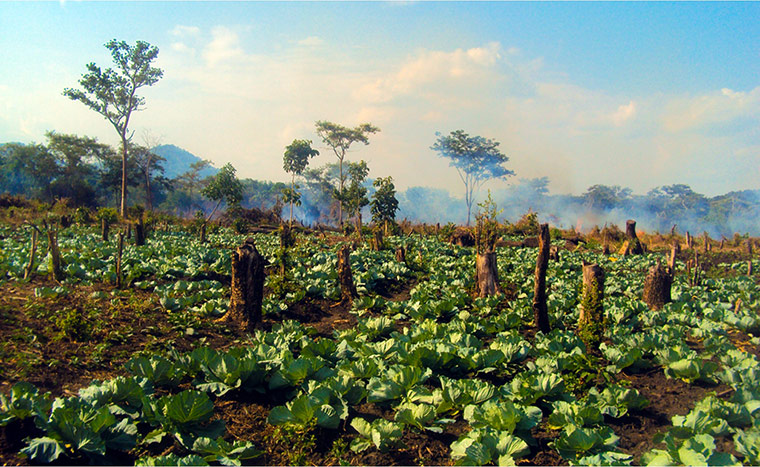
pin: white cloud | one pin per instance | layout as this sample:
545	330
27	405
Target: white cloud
311	41
719	108
624	113
223	48
185	31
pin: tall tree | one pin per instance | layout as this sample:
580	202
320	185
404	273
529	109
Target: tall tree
28	170
294	161
113	92
75	156
476	159
339	138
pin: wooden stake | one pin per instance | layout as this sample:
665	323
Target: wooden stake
540	309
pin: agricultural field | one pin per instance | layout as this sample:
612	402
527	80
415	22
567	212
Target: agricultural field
417	370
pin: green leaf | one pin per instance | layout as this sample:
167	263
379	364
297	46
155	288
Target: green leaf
44	450
189	407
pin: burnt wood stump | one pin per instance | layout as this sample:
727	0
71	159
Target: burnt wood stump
105	227
540	309
345	276
247	288
377	239
632	245
401	254
139	233
657	287
55	255
487	274
591	321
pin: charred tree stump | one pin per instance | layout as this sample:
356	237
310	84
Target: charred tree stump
722	243
139	233
55	255
657	287
591	321
377	239
345	277
540	310
203	233
401	254
688	240
632	246
30	265
105	227
749	267
706	246
119	251
554	253
487	274
674	250
673	230
247	288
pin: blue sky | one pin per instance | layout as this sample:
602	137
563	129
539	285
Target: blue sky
632	94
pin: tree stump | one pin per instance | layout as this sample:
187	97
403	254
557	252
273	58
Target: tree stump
247	288
657	287
377	239
487	274
139	233
688	240
591	321
606	248
203	233
722	243
674	250
749	267
632	245
105	227
55	255
554	253
707	242
119	251
345	277
540	310
401	254
29	268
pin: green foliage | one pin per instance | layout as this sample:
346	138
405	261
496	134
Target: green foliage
486	225
23	401
384	203
384	434
224	186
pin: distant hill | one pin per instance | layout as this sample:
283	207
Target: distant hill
178	161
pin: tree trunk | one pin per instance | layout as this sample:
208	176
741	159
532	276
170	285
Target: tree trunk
104	229
119	250
657	287
203	233
540	310
487	274
139	232
123	208
55	255
345	277
247	288
707	242
359	226
688	240
591	321
286	242
749	267
722	243
30	265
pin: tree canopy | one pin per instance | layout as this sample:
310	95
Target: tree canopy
113	92
476	159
